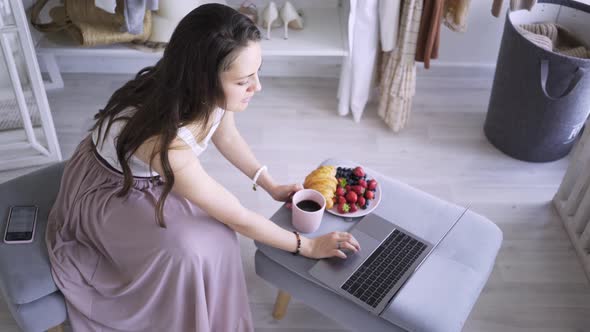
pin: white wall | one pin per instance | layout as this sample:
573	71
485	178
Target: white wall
479	44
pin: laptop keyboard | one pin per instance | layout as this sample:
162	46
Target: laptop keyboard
383	269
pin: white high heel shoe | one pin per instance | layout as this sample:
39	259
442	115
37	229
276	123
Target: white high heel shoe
270	14
291	18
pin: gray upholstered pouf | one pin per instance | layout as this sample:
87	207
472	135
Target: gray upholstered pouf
438	297
25	276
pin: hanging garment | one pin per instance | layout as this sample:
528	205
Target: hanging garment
358	67
134	12
497	7
455	14
398	81
514	5
429	34
389	13
522	4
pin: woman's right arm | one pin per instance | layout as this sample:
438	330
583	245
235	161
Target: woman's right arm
192	182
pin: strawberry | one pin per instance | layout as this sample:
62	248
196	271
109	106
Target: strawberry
351	197
372	184
361	201
369	195
343	208
341	200
363	183
353	208
358	172
358	189
340	191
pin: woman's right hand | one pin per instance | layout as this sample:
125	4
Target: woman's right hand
332	245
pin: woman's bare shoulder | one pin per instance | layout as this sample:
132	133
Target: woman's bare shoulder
153	144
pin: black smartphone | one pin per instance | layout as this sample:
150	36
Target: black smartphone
21	224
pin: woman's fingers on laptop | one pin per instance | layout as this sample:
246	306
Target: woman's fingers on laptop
333	244
349	238
339	253
348	247
337	244
355	243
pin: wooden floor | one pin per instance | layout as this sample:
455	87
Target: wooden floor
537	283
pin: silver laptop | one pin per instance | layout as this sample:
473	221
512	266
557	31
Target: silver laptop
389	256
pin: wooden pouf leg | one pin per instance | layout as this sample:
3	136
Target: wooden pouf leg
281	304
58	328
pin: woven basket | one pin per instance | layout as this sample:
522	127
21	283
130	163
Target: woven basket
89	25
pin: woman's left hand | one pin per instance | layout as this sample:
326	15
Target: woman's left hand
284	192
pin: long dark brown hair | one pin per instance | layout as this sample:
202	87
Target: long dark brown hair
183	87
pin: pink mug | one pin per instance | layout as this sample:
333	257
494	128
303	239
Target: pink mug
308	210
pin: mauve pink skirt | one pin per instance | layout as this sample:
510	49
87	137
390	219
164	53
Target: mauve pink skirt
120	271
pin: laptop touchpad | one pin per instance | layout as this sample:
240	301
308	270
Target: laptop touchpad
375	226
334	270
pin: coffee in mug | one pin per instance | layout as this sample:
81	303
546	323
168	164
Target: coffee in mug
308	210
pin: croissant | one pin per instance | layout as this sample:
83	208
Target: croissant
323	179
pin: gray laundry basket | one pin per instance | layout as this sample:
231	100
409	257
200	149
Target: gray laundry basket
540	100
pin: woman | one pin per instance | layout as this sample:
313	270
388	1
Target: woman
141	238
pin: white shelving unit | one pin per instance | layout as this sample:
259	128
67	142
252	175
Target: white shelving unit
324	35
23	93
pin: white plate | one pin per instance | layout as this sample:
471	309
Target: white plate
360	212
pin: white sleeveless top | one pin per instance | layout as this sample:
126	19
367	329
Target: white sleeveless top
139	168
